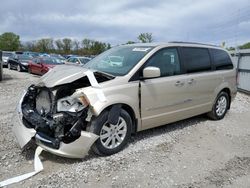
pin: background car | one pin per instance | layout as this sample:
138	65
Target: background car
77	60
19	62
5	57
41	65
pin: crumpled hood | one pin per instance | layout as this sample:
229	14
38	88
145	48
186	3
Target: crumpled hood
62	74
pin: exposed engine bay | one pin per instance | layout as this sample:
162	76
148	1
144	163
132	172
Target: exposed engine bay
56	115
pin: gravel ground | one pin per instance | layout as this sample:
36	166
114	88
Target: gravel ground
196	152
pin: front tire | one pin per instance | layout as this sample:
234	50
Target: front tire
29	70
9	67
19	69
220	106
112	138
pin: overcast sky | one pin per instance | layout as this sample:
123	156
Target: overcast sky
117	21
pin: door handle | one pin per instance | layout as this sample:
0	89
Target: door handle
179	83
191	81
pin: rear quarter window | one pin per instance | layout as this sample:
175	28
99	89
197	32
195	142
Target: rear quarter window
221	59
196	59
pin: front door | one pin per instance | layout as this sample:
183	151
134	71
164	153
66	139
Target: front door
35	66
163	99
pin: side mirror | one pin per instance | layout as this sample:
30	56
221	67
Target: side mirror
151	72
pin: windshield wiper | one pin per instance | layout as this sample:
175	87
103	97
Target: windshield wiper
109	76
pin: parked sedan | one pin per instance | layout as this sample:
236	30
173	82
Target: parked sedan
77	60
5	57
42	65
19	62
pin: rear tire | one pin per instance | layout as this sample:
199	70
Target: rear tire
112	138
29	70
220	106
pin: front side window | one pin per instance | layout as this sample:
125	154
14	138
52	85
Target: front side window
118	61
167	61
84	60
196	59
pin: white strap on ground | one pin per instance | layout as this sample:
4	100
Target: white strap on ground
95	85
38	166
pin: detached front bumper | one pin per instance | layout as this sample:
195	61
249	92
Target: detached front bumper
77	149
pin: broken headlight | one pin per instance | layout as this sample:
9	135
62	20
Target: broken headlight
70	104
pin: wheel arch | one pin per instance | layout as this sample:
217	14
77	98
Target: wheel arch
227	90
129	110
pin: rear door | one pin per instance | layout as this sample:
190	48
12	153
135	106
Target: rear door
163	99
201	79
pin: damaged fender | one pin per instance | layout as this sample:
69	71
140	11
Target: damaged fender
114	114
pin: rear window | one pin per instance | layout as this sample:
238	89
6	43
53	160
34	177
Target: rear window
196	59
221	59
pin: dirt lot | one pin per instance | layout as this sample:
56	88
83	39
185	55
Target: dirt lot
192	153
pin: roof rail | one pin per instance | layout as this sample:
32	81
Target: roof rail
193	43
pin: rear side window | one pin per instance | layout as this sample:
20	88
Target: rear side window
196	59
221	59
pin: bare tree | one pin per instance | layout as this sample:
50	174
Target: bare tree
59	45
76	46
145	37
67	45
45	45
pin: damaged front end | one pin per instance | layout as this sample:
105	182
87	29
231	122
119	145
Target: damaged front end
54	119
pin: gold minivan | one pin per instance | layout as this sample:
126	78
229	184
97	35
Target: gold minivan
126	89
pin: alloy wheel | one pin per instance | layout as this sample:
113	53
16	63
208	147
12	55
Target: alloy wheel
111	136
221	105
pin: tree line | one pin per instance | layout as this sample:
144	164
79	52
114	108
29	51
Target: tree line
11	42
65	46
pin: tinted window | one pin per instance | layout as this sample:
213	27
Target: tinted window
167	60
196	59
221	59
84	60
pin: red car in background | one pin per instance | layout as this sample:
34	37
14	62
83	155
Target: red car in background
41	65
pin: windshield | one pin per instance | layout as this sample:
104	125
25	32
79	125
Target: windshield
51	61
57	56
118	61
25	57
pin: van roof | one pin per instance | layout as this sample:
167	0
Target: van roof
176	43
